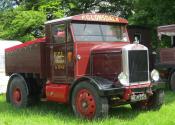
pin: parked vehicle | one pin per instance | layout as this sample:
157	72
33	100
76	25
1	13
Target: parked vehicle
143	36
86	61
166	63
3	78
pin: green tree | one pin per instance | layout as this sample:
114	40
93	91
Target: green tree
21	23
121	8
153	13
53	7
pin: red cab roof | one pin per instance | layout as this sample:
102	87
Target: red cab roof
93	17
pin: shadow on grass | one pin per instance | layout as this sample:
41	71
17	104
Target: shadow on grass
169	96
53	109
61	111
41	109
64	112
124	113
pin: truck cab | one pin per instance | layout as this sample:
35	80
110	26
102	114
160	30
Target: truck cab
74	43
86	61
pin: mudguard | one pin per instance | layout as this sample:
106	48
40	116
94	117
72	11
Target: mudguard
102	85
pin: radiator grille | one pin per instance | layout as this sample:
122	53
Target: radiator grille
138	65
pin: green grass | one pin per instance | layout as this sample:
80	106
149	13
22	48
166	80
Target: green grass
47	113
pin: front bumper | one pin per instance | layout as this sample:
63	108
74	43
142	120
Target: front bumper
141	88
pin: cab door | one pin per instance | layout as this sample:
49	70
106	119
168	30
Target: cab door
58	53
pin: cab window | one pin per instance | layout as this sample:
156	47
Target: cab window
137	37
99	32
58	32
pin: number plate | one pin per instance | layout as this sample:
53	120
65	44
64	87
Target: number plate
138	97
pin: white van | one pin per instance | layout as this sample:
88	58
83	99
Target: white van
3	78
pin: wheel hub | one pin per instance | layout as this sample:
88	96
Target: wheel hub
84	104
17	96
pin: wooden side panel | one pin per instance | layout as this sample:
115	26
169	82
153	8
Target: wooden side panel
167	56
29	59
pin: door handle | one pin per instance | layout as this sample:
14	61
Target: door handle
78	57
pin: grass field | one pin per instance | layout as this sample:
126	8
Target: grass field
56	114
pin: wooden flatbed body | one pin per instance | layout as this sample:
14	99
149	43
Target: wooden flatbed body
26	58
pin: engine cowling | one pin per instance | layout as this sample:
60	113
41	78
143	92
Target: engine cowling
131	62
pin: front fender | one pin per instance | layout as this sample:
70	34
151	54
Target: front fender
99	83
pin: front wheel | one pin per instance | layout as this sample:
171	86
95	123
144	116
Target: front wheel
153	102
157	99
86	103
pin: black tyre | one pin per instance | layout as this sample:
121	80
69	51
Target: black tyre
172	82
157	100
18	93
7	94
86	103
141	105
154	102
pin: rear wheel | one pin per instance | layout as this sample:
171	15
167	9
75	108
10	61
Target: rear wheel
86	103
154	102
172	82
18	93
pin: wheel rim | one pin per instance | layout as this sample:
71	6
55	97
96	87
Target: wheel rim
17	95
85	104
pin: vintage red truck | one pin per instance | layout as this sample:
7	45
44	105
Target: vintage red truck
86	61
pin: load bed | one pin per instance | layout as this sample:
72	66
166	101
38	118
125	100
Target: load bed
26	58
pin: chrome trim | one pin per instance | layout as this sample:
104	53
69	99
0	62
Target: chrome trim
125	62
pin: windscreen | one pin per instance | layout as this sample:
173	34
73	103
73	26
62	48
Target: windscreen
99	32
